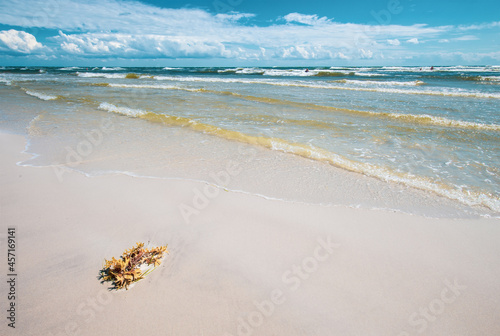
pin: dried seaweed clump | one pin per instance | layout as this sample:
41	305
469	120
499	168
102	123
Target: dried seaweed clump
132	265
132	76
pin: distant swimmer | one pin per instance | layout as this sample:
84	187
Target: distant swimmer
432	68
307	70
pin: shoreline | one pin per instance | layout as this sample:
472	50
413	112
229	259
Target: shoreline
242	265
278	179
107	141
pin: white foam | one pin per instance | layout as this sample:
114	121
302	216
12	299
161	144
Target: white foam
386	174
147	86
370	74
381	83
69	68
111	69
440	121
457	92
458	68
40	95
5	81
121	110
100	75
290	72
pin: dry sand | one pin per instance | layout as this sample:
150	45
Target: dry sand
243	265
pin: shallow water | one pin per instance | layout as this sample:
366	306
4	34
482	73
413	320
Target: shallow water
437	131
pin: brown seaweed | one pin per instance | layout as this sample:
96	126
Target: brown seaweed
126	270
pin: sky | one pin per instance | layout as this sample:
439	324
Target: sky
249	32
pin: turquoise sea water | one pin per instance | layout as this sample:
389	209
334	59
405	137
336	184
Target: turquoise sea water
435	130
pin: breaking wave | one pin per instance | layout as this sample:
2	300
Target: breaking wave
40	95
314	153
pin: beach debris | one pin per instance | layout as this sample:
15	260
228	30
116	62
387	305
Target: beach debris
132	266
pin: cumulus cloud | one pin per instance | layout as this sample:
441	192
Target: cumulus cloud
140	46
134	30
341	56
313	52
394	42
306	19
223	36
365	53
15	41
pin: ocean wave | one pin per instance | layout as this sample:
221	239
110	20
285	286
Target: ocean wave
308	72
438	121
5	81
112	69
457	92
467	78
243	71
437	69
460	68
101	75
69	68
289	72
420	119
495	79
471	198
40	95
424	119
325	73
370	74
332	72
379	83
146	86
122	110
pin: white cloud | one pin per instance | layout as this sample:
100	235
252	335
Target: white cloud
365	53
471	57
394	42
341	56
313	52
131	29
221	36
233	17
480	26
140	46
18	42
306	19
105	15
466	38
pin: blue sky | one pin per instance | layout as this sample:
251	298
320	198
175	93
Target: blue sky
249	32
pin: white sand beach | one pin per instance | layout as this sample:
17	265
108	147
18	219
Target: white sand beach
243	265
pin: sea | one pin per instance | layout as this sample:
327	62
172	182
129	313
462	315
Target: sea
422	140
